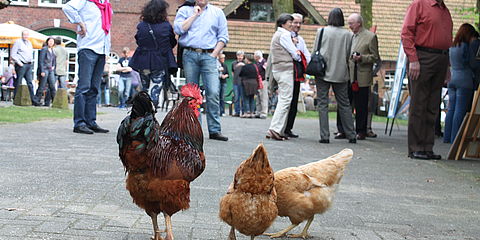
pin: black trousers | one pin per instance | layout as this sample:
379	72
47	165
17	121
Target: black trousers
292	113
360	99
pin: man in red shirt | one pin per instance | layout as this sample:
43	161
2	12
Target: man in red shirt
426	37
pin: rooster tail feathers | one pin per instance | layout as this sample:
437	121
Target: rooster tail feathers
191	90
142	105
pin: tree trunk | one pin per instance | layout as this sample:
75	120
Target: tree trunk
366	12
478	12
282	6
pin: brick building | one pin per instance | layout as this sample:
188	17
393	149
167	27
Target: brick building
251	22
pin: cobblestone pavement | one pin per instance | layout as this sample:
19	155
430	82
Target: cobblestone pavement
55	184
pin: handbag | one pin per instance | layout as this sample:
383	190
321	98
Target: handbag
317	65
259	78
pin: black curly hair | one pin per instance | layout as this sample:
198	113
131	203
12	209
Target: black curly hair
155	11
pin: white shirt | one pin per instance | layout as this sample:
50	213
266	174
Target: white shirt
22	51
303	47
287	43
87	12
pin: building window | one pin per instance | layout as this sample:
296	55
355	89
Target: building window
19	2
52	3
261	12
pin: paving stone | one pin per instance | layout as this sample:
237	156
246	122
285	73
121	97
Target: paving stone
76	187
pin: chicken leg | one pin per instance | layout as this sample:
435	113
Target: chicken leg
281	233
304	233
231	236
156	231
168	223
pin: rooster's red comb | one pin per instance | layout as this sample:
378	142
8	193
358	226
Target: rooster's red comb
191	90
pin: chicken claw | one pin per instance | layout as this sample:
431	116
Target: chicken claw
231	236
301	235
304	233
156	237
281	233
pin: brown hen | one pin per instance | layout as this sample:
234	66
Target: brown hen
249	205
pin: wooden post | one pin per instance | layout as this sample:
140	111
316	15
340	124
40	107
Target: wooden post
467	141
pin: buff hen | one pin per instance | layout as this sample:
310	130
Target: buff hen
307	190
249	205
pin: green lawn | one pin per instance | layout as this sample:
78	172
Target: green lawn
333	115
14	114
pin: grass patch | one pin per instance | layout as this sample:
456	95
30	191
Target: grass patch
14	114
333	115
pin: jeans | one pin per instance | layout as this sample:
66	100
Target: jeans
103	91
203	65
223	86
61	80
90	69
249	103
238	99
124	86
49	79
24	71
459	100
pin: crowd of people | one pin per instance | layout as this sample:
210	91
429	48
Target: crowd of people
435	59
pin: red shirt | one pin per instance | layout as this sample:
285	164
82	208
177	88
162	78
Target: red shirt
427	24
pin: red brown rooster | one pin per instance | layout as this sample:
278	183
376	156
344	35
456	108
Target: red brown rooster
161	160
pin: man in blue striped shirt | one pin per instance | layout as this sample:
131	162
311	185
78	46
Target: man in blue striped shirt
203	33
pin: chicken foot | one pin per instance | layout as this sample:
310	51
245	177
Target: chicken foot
231	236
304	233
281	233
156	231
168	224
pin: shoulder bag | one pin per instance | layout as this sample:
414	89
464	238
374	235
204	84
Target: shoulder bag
259	78
317	65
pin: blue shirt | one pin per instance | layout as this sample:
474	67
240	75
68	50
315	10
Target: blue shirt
87	12
206	30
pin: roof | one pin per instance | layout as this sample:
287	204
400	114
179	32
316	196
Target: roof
251	36
387	15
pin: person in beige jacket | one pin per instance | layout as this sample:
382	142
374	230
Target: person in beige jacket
335	48
364	54
282	54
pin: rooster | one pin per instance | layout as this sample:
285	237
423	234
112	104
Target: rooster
161	160
249	205
307	190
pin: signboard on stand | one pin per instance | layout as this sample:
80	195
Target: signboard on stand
400	72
